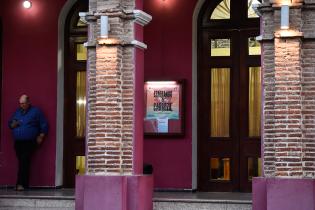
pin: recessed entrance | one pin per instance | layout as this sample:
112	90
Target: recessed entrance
74	94
229	87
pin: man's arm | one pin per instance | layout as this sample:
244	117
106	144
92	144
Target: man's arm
43	127
13	122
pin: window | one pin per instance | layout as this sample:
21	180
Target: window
222	11
250	12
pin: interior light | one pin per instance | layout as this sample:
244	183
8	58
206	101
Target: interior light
27	4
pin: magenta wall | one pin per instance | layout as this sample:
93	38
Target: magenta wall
30	66
169	56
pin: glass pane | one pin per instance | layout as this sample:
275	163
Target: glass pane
251	13
254	167
81	52
220	102
220	169
80	164
253	46
254	101
80	105
80	23
220	47
222	11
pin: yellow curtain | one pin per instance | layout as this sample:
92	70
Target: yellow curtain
81	52
220	102
220	169
254	167
80	165
254	101
80	104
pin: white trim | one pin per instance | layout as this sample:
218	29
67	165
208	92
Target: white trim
194	92
141	17
60	88
139	44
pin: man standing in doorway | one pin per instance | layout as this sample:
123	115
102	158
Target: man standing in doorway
29	127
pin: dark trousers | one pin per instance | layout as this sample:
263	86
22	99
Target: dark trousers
24	151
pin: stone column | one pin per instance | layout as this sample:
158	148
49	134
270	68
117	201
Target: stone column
288	108
114	178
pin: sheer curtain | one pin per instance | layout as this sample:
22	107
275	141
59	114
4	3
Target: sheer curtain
254	101
220	102
80	105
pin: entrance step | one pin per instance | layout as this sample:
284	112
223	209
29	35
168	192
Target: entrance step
201	201
51	199
63	199
37	204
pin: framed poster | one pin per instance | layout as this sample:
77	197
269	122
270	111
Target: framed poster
164	110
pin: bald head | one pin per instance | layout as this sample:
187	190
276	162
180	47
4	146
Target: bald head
24	102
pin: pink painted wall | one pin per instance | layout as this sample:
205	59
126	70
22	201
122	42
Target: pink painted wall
169	56
30	66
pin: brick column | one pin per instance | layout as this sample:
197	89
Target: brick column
114	179
288	109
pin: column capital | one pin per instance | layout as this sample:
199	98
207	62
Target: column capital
141	17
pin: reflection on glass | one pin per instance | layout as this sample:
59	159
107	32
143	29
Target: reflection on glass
220	102
220	47
251	13
254	101
80	164
222	11
80	104
253	46
254	167
81	52
220	169
80	23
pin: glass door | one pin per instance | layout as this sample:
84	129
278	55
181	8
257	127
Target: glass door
229	92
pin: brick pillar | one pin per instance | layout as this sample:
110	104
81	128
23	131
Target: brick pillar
113	178
288	109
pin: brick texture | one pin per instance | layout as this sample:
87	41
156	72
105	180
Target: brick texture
289	92
110	91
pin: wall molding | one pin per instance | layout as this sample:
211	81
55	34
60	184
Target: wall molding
60	94
194	93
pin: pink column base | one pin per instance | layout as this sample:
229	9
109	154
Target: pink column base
114	192
283	194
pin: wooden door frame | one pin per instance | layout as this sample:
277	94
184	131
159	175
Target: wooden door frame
197	58
251	150
220	147
72	35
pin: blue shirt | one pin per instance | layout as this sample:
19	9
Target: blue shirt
31	123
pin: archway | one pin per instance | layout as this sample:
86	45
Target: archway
63	41
74	93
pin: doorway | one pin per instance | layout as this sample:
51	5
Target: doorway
74	94
229	92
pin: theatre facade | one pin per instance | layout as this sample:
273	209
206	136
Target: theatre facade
216	95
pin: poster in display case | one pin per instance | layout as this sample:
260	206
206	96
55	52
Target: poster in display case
164	108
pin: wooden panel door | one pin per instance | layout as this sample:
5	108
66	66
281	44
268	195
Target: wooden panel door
229	87
228	152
